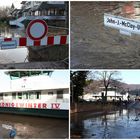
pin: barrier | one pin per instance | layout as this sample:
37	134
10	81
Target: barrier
36	36
10	43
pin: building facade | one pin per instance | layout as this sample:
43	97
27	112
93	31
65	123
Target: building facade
38	8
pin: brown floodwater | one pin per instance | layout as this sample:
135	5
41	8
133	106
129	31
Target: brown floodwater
29	127
117	125
101	46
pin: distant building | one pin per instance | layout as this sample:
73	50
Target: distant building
112	94
38	8
27	7
16	13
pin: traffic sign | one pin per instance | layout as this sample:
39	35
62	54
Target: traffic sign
37	29
11	44
126	26
19	22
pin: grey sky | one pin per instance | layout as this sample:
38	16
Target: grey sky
4	3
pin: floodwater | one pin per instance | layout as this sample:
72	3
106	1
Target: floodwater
33	127
103	47
17	55
119	124
42	56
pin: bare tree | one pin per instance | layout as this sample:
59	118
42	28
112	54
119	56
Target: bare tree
4	12
93	86
106	77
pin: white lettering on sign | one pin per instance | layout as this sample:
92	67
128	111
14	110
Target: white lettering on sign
123	24
8	44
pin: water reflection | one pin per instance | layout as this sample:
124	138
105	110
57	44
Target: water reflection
118	124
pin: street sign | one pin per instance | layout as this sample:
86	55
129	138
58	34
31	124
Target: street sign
126	26
37	29
8	44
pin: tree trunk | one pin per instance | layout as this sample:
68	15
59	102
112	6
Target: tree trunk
105	95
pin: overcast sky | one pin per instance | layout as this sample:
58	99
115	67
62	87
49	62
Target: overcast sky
4	3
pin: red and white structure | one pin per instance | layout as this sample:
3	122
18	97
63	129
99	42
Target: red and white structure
36	36
26	41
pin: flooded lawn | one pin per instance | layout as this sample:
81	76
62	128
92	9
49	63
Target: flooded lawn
117	125
28	127
103	47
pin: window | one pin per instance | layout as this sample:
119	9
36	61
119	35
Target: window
50	93
52	11
25	95
61	12
60	94
1	96
19	95
38	94
31	95
14	95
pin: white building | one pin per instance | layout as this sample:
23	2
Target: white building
112	94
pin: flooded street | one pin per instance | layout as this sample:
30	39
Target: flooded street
34	127
17	55
33	56
116	125
103	47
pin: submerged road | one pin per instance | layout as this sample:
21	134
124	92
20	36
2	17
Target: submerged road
120	124
33	127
